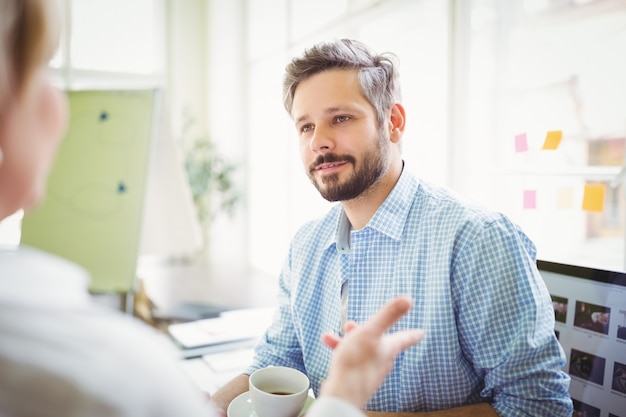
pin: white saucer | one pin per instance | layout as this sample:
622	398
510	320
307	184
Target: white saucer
241	406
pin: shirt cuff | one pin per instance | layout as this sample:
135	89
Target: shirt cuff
332	406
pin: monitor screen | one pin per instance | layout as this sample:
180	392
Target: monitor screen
590	323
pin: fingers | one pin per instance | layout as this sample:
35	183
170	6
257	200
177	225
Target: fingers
399	341
378	324
402	340
349	326
389	314
330	340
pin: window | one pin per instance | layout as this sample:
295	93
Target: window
484	81
105	44
112	44
280	197
117	36
547	126
479	78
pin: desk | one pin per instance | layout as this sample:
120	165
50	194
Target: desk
209	378
169	282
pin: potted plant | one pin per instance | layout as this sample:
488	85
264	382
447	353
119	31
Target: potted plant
210	177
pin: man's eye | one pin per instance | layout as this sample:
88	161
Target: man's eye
341	119
306	128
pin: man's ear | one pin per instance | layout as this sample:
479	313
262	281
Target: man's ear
397	122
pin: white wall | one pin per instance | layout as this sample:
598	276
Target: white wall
227	119
250	42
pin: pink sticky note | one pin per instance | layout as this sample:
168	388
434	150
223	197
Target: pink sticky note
530	199
521	144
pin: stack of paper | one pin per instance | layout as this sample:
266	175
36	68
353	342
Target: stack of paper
232	329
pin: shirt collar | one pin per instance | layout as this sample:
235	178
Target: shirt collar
390	217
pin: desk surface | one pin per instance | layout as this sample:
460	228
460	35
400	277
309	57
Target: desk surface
171	282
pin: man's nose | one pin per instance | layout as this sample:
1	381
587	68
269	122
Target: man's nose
322	139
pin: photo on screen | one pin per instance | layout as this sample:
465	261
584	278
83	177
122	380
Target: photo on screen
584	410
587	366
598	352
560	308
621	327
592	317
619	377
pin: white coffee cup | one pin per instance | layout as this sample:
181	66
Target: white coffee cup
278	391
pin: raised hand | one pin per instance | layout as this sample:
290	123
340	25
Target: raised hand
365	355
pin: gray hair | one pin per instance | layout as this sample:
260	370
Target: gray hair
377	73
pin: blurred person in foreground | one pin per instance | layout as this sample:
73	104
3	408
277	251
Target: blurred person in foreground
488	319
62	355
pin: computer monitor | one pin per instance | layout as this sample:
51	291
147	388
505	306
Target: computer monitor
590	323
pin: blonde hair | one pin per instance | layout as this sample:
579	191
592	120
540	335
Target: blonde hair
29	36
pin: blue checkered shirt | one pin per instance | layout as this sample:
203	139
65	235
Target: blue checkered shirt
486	313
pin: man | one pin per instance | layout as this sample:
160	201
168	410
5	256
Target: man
60	354
487	316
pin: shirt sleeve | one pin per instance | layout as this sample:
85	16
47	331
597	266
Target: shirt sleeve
506	323
326	406
280	346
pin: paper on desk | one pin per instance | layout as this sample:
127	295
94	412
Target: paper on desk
230	326
235	360
200	374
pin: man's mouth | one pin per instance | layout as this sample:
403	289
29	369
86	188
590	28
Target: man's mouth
329	165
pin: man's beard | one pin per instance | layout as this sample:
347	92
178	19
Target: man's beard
373	166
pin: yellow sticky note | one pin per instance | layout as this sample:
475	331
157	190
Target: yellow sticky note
553	139
593	197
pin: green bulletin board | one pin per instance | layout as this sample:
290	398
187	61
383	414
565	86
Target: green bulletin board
94	203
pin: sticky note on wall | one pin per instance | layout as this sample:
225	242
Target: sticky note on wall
530	199
593	197
565	198
521	143
553	140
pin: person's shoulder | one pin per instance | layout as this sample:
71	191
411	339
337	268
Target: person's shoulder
112	359
26	259
31	276
457	213
448	200
55	336
321	226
